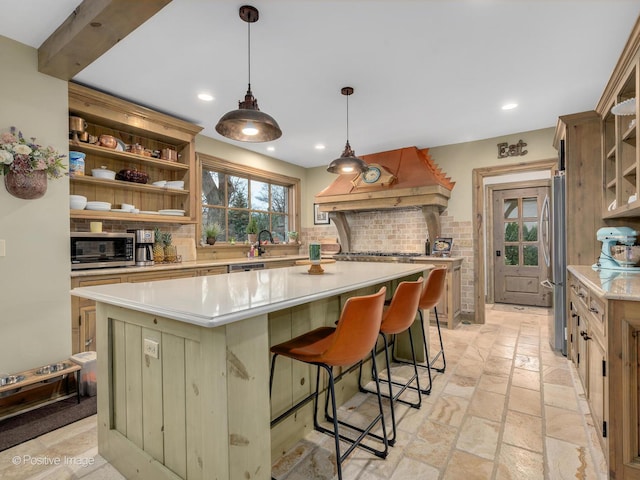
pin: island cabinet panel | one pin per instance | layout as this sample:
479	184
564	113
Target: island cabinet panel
163	413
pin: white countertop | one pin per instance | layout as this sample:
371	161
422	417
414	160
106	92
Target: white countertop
215	300
611	284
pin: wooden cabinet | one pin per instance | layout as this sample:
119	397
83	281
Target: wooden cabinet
132	124
620	158
620	155
83	313
588	349
577	139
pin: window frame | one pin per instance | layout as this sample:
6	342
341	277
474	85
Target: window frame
204	160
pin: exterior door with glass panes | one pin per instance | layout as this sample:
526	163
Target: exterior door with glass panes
519	264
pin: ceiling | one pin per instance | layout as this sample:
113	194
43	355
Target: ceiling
425	72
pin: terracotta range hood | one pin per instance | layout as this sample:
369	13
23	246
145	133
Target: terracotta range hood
401	178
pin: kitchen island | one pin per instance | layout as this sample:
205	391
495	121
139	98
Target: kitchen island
183	365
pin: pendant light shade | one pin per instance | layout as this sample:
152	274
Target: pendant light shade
248	123
348	162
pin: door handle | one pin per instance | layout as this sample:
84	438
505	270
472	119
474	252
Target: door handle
547	284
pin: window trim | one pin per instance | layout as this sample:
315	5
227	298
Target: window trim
229	168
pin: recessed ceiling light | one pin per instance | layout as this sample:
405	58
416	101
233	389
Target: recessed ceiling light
271	148
205	96
509	106
319	146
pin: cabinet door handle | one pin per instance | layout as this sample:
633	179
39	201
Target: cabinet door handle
594	310
585	335
581	295
88	342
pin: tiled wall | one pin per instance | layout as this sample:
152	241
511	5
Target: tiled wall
404	230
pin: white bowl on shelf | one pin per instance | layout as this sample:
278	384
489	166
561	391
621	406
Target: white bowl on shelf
160	183
103	172
127	207
77	202
177	184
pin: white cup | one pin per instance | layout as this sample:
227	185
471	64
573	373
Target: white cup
96	227
127	206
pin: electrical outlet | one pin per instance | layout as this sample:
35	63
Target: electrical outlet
151	348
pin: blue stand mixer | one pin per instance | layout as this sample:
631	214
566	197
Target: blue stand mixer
618	250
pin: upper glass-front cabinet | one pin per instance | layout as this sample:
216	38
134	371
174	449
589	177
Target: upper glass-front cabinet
620	155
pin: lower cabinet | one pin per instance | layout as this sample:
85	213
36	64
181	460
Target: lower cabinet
587	348
83	313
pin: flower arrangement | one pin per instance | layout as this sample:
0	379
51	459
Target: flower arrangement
25	157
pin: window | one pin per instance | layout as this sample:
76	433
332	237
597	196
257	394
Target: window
231	194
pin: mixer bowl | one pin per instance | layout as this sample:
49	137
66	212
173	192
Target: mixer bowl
625	255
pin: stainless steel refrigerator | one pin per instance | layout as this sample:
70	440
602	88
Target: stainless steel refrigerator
553	222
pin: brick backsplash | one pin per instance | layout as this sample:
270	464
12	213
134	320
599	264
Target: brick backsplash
404	230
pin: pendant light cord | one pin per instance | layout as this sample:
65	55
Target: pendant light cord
249	50
347	118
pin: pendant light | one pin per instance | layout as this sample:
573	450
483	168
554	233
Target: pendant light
348	162
248	123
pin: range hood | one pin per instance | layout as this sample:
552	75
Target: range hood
402	178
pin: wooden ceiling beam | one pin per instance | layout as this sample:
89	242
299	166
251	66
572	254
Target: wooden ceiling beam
93	28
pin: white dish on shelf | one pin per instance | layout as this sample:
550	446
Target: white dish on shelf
177	213
101	208
628	107
120	210
160	183
148	212
177	184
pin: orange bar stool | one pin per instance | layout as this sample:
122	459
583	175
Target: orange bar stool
396	319
349	343
433	289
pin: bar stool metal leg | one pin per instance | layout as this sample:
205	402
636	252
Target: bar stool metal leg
364	432
404	386
426	365
441	352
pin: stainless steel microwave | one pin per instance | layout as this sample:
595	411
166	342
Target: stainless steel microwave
102	250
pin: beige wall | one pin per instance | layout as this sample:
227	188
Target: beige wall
458	161
34	274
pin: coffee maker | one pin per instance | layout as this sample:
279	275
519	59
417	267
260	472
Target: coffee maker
144	247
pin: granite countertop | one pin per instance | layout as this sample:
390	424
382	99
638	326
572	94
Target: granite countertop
215	300
184	265
610	284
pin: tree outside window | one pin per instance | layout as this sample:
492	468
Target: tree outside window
231	198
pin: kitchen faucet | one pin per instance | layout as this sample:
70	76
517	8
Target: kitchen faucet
260	248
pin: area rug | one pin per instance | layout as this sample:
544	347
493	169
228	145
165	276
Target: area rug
29	425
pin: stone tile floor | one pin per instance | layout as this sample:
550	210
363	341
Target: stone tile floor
507	407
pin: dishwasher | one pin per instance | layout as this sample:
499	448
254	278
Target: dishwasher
245	267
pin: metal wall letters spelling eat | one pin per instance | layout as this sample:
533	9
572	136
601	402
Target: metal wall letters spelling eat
505	150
